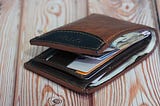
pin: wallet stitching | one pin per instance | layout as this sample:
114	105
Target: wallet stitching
78	32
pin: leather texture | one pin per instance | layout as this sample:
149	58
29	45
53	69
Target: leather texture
99	30
102	30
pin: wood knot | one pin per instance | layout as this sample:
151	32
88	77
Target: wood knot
54	8
54	101
127	7
57	101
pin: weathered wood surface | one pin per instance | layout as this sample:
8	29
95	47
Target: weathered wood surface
141	85
9	31
39	16
22	20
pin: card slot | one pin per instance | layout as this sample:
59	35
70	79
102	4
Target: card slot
55	61
62	58
63	68
46	54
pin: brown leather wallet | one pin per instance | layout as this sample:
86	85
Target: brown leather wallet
89	53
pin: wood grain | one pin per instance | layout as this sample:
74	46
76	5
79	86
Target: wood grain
137	11
140	85
39	16
9	25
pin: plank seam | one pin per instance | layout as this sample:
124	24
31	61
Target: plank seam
18	49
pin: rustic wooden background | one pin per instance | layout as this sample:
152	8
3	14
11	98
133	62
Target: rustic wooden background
21	20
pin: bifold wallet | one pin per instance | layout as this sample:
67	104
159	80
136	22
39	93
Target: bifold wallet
89	53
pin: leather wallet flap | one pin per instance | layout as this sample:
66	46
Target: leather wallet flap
70	40
90	35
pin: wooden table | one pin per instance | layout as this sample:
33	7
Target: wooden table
21	20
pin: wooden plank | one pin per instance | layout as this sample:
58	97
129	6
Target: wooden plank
9	31
38	17
139	86
130	10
